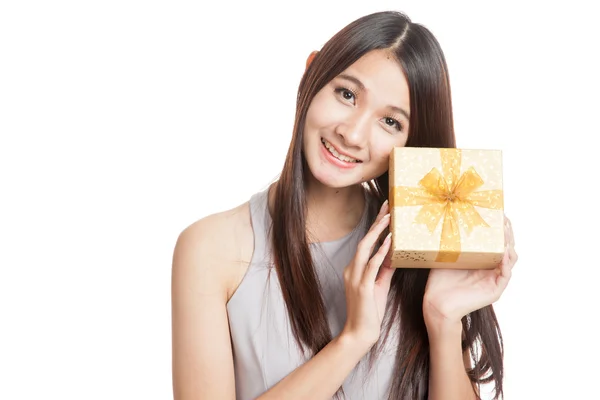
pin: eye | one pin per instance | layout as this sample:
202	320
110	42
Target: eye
346	94
391	122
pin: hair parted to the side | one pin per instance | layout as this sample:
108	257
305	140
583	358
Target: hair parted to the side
431	125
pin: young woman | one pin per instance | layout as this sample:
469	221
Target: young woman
289	296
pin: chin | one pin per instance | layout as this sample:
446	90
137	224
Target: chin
334	182
332	177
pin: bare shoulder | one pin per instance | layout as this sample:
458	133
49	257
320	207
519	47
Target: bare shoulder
209	260
218	249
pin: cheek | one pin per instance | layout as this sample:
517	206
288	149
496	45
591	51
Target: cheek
325	111
381	149
314	114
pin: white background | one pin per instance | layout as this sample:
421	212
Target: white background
122	122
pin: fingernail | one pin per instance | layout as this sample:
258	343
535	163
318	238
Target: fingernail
385	217
383	205
388	238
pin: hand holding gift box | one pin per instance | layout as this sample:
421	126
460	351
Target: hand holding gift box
446	208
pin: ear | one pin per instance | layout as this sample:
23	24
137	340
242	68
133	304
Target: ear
310	58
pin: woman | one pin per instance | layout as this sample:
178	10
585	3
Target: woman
289	295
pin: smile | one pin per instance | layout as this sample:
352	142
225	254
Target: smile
331	150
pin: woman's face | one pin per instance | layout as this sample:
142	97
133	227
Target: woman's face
354	122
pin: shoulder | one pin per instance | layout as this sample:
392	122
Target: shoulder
210	258
215	251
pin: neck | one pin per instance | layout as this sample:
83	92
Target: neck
332	213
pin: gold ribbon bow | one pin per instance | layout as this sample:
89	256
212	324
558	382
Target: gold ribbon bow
452	197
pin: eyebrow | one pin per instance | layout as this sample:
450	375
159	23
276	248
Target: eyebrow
361	86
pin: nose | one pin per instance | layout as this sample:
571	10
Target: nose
354	130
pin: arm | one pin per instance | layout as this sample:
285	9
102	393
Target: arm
448	378
202	356
322	375
367	284
450	295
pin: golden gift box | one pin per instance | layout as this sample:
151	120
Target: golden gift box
447	208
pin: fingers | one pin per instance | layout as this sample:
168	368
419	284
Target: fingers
387	261
508	232
382	211
365	248
367	244
377	260
384	276
386	272
504	272
510	242
505	265
512	256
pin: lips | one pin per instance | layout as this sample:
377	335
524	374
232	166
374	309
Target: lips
340	156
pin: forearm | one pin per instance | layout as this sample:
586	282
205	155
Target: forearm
448	379
322	375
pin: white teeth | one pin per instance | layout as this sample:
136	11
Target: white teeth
337	155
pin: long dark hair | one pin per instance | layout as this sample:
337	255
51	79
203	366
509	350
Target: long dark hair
431	125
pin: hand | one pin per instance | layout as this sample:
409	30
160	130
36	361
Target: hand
452	294
367	284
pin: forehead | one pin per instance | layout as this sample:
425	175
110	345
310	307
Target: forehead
382	76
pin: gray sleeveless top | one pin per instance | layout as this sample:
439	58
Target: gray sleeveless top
264	347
